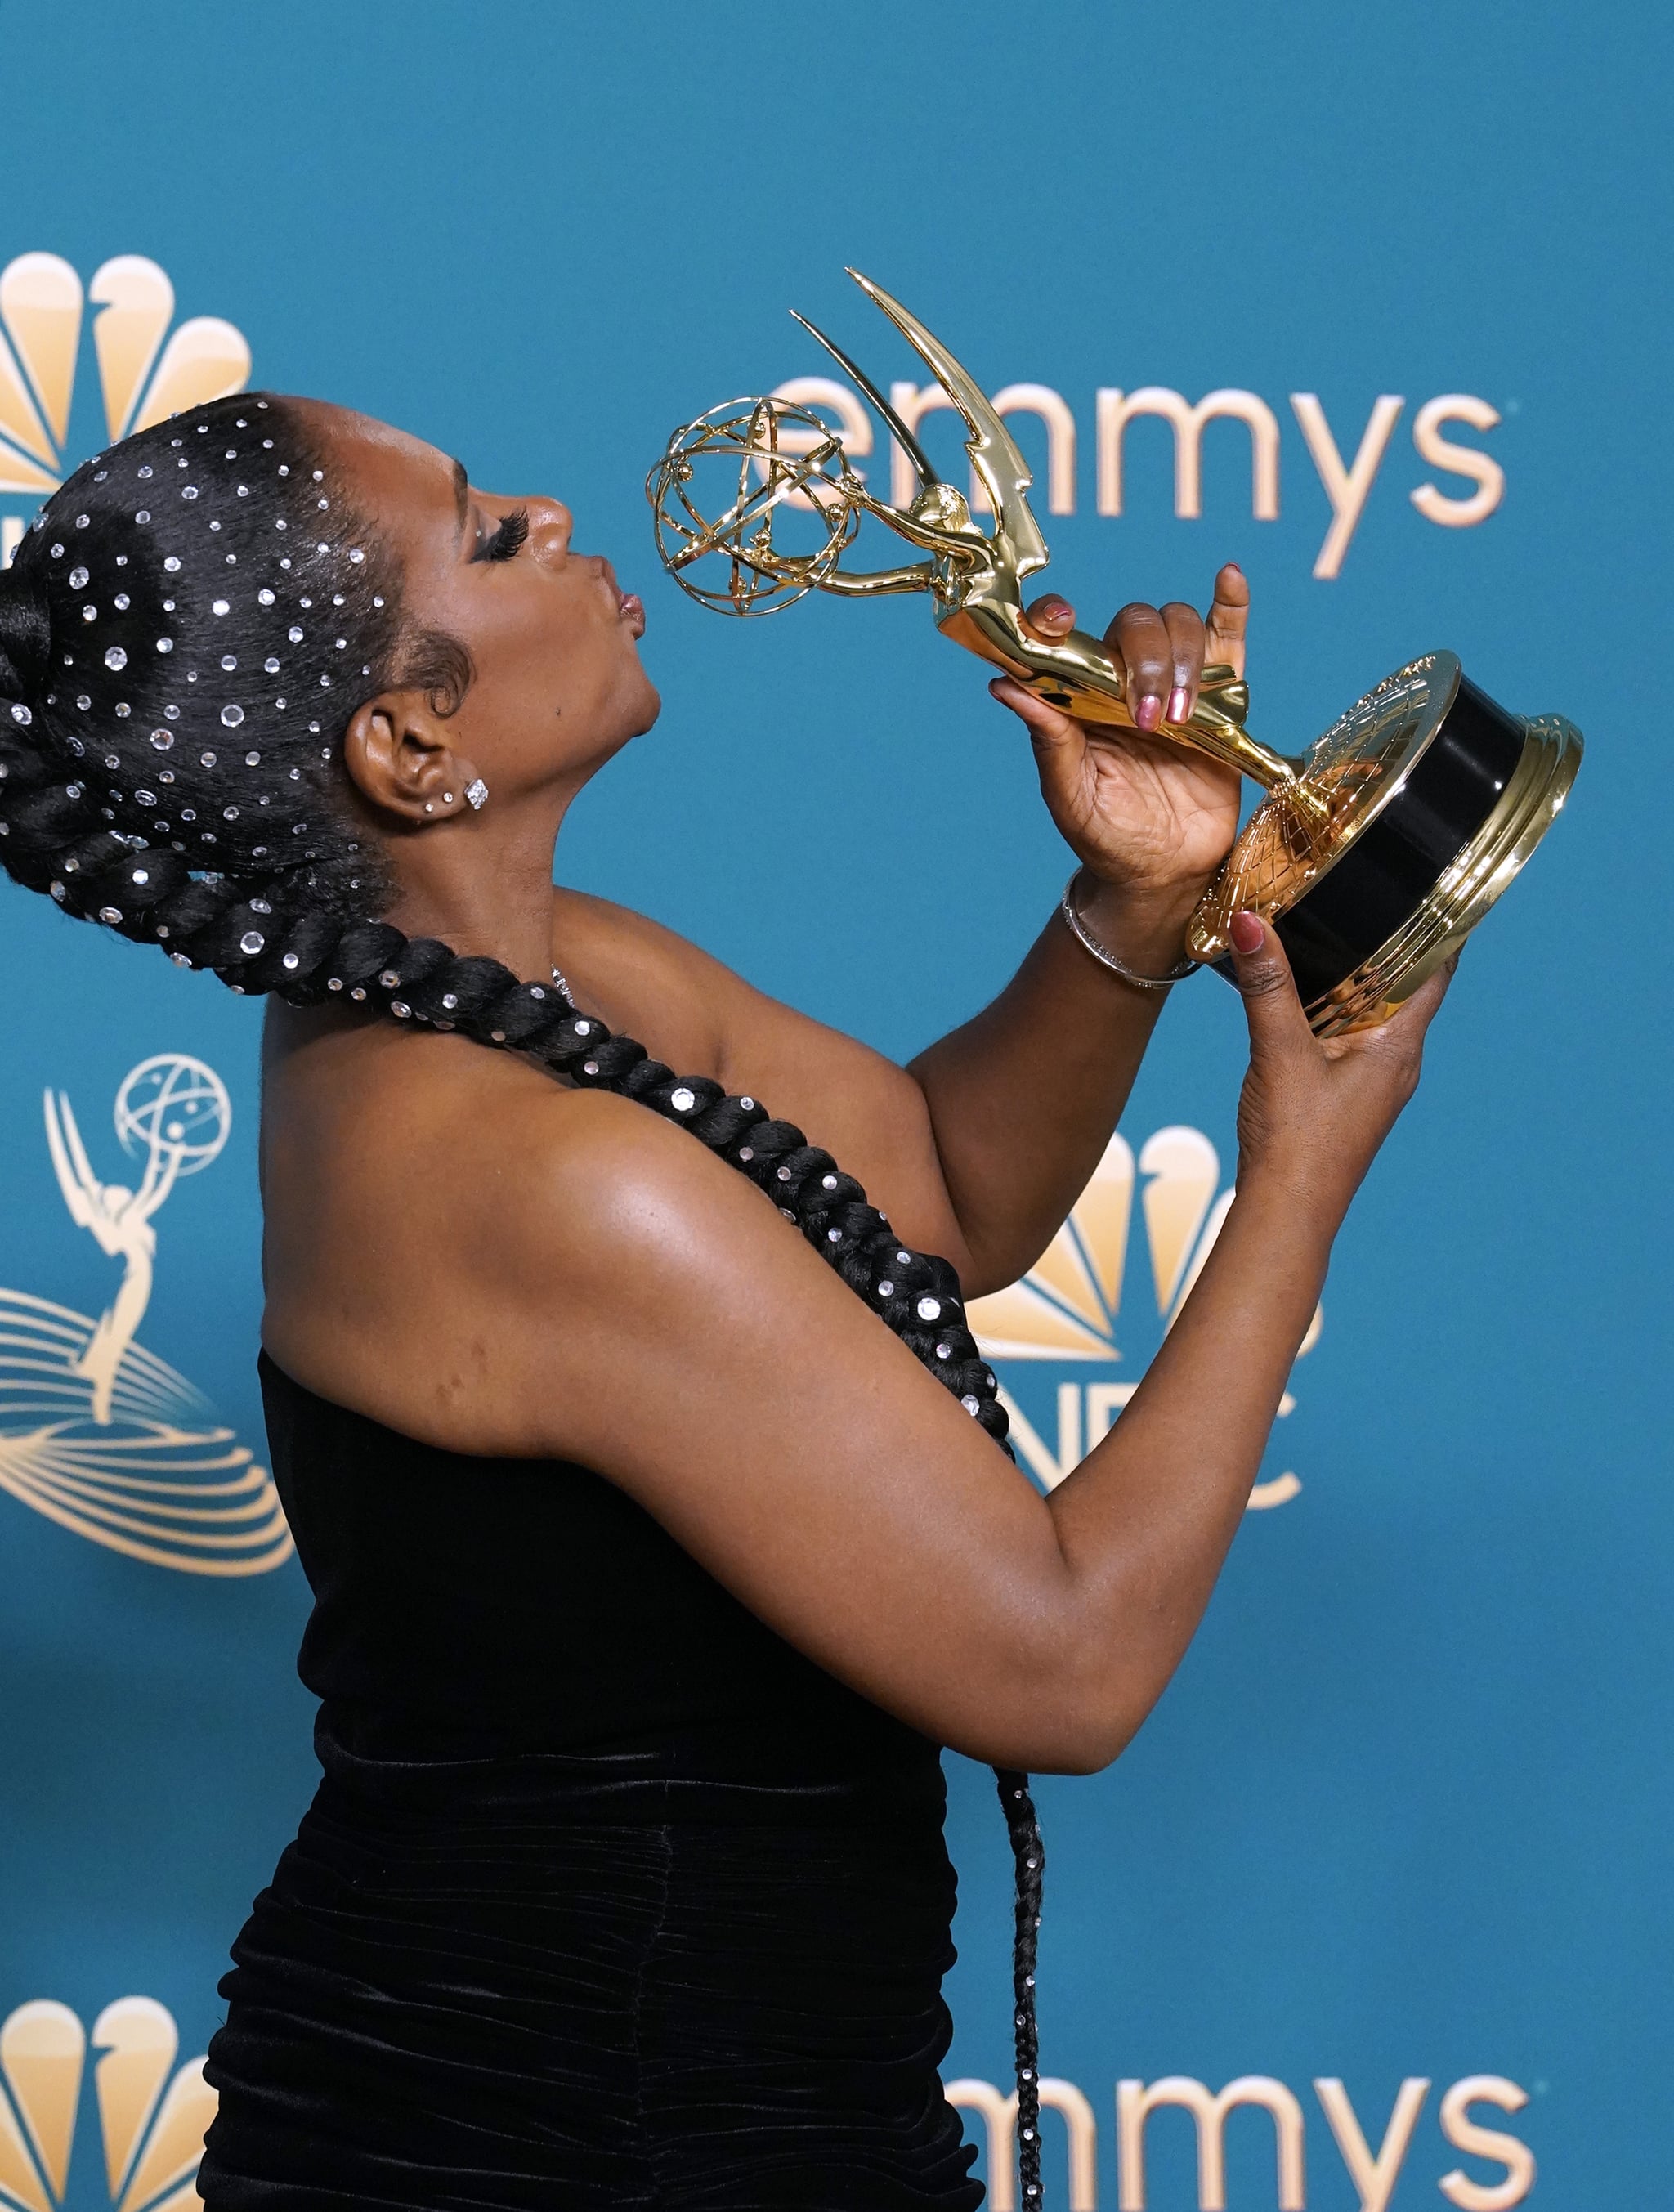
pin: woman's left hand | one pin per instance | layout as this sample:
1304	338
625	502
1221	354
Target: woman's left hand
1150	819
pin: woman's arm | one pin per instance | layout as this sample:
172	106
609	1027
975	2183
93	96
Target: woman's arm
979	1149
635	1304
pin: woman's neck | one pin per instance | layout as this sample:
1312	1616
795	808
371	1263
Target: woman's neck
484	888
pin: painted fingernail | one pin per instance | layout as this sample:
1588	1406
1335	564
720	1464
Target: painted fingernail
1234	566
1246	932
1179	703
1149	712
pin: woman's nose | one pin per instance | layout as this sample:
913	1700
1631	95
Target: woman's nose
550	525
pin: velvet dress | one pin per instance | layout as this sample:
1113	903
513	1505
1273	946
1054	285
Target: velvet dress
608	1896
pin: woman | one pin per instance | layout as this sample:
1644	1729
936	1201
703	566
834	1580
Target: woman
651	1571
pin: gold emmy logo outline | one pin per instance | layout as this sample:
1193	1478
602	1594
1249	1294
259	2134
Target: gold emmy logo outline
1067	1307
152	2117
96	1433
142	379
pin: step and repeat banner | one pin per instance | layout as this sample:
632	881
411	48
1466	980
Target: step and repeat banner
1375	1912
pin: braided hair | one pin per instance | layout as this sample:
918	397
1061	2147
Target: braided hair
185	631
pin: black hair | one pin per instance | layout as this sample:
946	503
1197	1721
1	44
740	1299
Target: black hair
185	631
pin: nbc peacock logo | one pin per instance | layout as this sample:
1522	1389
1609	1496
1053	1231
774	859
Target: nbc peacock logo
145	374
152	2116
1069	1308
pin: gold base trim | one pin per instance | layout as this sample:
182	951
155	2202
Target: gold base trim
1532	800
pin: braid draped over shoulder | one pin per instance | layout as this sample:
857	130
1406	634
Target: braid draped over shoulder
184	633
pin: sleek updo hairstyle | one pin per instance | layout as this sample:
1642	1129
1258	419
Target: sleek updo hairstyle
185	632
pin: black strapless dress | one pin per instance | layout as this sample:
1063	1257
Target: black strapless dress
607	1898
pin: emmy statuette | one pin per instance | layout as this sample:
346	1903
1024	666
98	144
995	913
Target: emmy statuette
1373	854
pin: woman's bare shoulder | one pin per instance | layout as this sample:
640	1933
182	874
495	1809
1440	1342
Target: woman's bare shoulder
646	979
440	1218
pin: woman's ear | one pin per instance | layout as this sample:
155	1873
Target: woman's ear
399	756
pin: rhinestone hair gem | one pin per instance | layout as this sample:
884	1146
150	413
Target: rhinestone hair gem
115	658
232	716
252	941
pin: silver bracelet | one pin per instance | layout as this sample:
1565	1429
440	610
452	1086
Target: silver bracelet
1107	959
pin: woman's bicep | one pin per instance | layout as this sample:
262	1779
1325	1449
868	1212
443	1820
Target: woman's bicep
690	1347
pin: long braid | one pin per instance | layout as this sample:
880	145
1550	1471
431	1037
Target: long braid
276	896
1028	1857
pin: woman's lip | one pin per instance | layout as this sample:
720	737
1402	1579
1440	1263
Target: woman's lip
633	612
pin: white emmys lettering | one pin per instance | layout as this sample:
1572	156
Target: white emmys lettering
1066	1308
96	1433
1347	485
152	2117
1374	2175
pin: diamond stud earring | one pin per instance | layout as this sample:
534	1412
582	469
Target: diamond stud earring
478	793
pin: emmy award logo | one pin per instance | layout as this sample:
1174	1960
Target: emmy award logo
177	1110
96	1432
152	2117
141	379
1068	1307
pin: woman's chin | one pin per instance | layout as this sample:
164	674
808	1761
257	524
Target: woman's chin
650	707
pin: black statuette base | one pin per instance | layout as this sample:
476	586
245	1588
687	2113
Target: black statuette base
1370	893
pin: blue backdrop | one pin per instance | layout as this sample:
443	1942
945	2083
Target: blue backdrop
1400	1818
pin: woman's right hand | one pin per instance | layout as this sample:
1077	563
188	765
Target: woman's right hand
1314	1111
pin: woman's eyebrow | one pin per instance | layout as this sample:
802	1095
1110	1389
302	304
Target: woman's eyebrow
461	494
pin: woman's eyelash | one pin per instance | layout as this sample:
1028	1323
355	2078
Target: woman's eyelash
507	539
